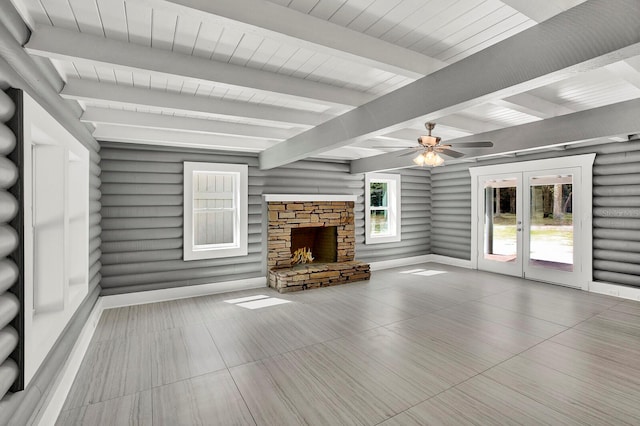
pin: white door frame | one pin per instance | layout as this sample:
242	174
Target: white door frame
584	252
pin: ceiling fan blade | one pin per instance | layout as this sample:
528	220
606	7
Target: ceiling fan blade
404	154
395	147
484	144
450	153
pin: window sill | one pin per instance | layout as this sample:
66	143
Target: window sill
382	240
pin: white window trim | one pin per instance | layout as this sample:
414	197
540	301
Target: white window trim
395	203
241	172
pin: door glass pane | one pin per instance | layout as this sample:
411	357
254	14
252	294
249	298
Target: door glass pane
500	222
551	222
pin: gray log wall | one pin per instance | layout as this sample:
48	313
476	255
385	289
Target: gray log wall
451	211
142	215
616	209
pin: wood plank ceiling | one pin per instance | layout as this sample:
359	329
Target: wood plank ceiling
250	74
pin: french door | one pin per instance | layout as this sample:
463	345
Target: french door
531	223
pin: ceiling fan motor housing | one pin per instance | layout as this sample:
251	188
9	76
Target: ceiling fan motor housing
428	140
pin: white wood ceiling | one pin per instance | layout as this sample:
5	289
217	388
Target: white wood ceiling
278	84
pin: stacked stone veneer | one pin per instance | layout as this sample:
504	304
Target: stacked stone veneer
283	216
307	276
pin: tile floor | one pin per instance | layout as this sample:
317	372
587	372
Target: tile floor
459	347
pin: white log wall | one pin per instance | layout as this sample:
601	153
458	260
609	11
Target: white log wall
40	81
142	215
21	406
9	242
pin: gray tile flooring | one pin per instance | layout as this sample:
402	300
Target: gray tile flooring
461	347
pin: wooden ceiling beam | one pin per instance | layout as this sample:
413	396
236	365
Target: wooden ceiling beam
289	26
65	45
146	120
114	133
593	34
112	94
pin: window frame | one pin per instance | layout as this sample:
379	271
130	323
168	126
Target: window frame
394	203
240	173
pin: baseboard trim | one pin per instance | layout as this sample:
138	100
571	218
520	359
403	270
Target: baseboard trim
396	263
174	293
414	260
453	261
62	385
615	290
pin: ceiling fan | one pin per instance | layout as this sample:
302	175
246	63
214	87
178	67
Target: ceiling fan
430	146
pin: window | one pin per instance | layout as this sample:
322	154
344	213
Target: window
382	204
215	210
56	230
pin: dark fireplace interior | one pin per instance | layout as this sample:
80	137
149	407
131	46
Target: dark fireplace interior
323	242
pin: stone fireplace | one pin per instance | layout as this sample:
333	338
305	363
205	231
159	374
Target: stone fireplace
322	223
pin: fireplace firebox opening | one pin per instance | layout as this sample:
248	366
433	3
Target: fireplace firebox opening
323	242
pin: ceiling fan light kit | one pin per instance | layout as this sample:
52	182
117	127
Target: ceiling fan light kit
428	158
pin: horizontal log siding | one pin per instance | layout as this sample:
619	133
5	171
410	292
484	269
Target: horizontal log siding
10	224
616	213
451	212
142	215
142	219
616	209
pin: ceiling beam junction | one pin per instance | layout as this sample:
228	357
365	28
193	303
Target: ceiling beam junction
541	11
